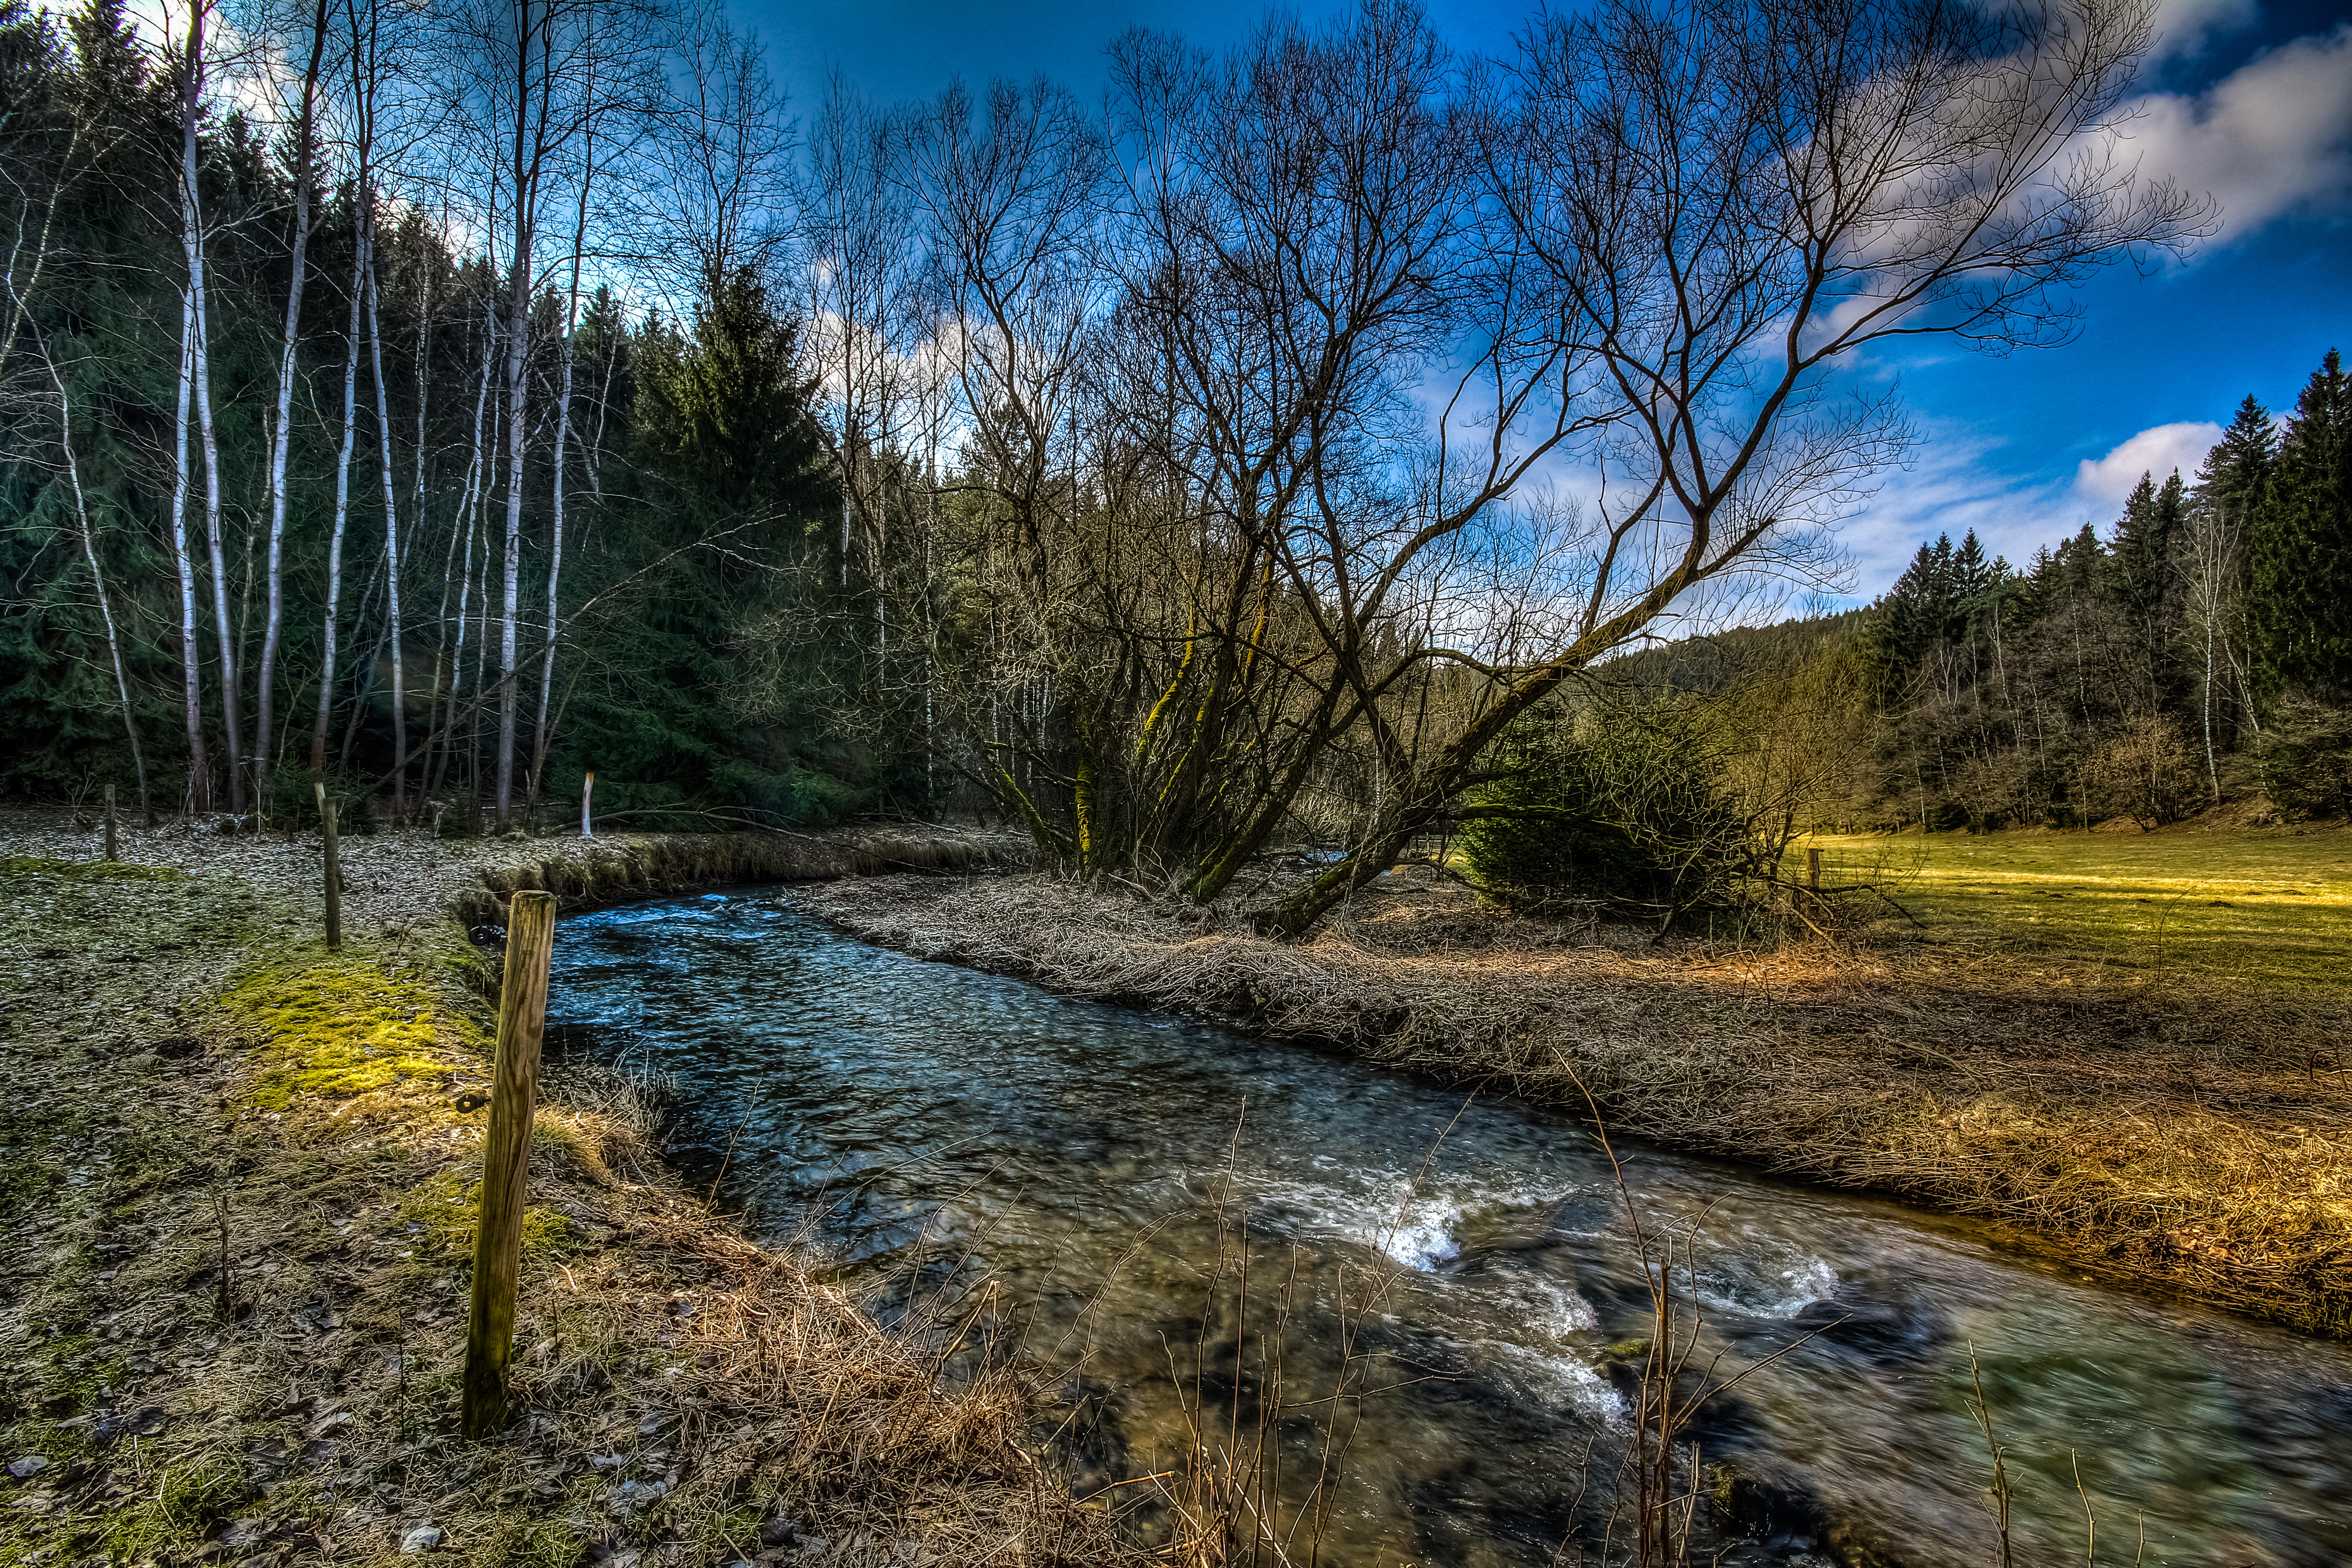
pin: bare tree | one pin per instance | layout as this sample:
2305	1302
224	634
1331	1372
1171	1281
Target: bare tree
1727	204
858	261
538	73
712	188
86	534
305	177
362	109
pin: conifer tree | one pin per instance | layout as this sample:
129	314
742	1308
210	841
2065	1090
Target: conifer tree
2300	606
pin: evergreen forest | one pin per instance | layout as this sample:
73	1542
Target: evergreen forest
2194	654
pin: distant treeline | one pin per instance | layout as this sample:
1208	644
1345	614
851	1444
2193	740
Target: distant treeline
2198	652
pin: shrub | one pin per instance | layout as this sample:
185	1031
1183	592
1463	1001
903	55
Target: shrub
1619	812
2145	770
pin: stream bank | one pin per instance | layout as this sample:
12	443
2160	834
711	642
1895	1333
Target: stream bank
233	1179
2177	1134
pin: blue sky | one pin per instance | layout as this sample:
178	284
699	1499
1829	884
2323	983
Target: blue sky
2250	101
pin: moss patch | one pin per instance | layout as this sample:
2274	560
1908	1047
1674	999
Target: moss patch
339	1027
187	1500
448	1207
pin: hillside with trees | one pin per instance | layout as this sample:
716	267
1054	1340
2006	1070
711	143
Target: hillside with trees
2197	651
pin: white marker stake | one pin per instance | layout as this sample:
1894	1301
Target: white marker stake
587	788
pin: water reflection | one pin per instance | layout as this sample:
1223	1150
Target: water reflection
904	1113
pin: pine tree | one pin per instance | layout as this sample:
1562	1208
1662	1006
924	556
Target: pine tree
2300	604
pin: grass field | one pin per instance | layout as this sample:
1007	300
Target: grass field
2269	906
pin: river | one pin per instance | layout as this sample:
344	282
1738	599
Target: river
968	1147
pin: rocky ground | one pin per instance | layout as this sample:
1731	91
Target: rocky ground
236	1230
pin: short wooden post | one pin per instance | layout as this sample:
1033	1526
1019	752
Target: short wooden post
587	788
334	868
109	822
506	1160
1813	869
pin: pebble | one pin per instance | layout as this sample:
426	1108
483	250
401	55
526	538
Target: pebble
423	1537
26	1469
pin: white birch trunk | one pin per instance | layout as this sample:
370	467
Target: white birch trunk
195	333
511	598
342	508
463	523
539	737
200	790
529	149
289	342
97	579
391	540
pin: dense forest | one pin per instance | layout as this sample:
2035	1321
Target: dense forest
446	402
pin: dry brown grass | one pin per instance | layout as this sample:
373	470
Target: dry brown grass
2175	1130
232	1308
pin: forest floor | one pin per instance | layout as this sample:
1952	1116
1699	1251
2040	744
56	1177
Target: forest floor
2184	1128
2260	907
235	1228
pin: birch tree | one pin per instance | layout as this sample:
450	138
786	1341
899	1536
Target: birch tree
333	602
86	535
305	178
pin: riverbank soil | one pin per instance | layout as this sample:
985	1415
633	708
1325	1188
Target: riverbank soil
236	1177
2262	908
2180	1128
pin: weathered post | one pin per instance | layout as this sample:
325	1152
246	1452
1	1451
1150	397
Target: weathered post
1813	870
109	822
587	788
506	1160
334	868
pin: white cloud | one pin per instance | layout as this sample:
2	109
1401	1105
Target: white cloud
2272	138
1952	486
2183	26
2157	451
1959	482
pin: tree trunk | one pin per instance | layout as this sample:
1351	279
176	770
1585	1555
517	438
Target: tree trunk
451	668
343	506
511	594
530	148
197	333
97	579
200	788
539	737
289	342
391	533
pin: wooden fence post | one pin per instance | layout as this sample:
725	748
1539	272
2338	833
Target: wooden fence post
334	868
587	788
1813	869
109	822
506	1160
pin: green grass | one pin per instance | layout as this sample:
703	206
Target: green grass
2267	906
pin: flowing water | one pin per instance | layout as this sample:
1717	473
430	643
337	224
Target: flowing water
924	1123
